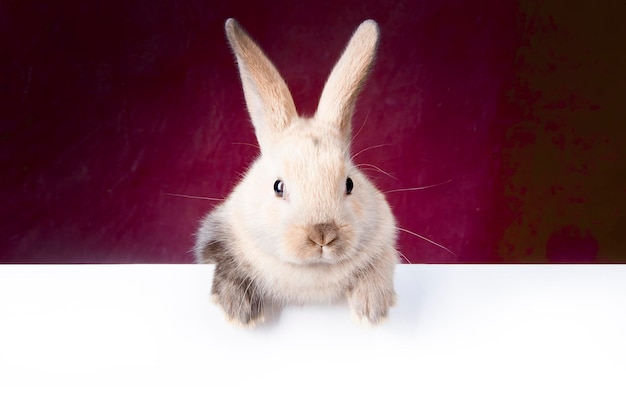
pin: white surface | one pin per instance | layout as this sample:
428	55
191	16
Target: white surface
144	340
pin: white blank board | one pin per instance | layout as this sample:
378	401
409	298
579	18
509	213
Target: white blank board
145	340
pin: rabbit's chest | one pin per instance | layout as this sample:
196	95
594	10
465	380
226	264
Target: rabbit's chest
301	284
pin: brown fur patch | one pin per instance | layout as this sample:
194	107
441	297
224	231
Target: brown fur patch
233	288
323	234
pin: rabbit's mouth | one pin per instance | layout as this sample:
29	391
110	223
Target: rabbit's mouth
326	255
315	255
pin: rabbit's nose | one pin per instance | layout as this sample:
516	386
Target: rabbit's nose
323	234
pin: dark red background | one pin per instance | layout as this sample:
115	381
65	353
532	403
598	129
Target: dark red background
107	109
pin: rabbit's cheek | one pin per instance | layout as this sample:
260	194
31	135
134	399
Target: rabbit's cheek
295	247
357	209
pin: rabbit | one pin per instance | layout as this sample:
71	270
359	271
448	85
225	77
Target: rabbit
303	225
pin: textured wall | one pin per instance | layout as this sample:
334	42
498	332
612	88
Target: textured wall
110	109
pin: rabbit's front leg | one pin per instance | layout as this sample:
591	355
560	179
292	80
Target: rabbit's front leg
372	293
237	295
232	289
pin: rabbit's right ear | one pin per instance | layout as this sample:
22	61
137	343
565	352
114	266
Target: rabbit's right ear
347	77
268	99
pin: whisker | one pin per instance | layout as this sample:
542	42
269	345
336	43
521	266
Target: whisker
375	168
404	257
370	148
194	197
417	188
246	144
427	240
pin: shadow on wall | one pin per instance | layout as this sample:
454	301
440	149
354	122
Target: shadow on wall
565	161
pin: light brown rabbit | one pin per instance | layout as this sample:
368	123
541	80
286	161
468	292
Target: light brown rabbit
304	224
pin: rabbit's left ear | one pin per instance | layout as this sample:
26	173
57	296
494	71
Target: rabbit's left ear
268	99
347	78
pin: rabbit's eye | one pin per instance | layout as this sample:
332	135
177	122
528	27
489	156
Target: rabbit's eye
279	188
349	185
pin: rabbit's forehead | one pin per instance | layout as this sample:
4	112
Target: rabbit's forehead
310	158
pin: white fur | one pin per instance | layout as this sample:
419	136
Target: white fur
270	236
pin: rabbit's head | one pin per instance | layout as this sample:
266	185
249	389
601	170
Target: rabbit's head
303	200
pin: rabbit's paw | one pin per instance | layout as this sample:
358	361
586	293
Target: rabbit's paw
239	299
370	305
